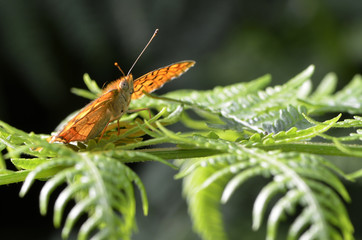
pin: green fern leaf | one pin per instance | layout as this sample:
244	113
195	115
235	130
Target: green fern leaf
346	100
102	188
304	180
204	204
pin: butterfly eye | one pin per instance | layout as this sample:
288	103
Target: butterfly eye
124	85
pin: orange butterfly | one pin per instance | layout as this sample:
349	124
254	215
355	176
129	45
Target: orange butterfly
93	119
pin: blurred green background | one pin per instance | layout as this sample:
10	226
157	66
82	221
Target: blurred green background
46	47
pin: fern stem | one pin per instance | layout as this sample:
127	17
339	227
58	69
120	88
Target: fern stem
309	147
19	176
176	153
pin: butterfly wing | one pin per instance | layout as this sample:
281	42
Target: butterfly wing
94	117
89	122
157	78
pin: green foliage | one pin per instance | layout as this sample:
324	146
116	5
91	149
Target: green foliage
244	132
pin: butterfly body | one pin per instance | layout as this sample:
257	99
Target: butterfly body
114	102
122	90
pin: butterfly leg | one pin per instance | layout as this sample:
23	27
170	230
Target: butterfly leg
104	130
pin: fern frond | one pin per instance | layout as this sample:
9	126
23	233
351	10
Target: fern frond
349	99
102	188
303	179
204	206
282	119
326	87
348	123
242	131
92	85
294	135
2	161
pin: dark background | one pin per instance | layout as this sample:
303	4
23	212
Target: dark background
47	46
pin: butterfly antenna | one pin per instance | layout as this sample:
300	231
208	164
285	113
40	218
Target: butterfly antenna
154	35
120	69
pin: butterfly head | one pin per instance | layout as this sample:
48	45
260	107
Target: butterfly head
126	84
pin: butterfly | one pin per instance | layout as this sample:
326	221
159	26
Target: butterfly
94	118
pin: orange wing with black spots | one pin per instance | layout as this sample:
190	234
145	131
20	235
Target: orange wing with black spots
157	78
89	122
95	117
